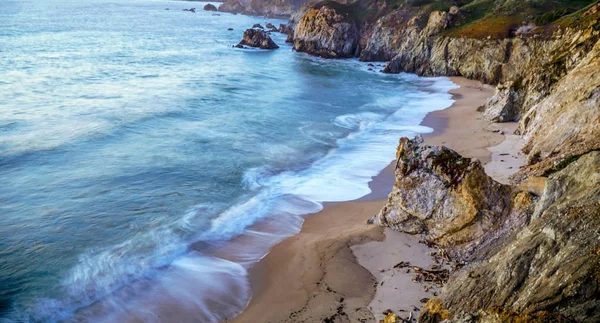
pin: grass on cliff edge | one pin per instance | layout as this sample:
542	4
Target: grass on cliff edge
500	19
482	18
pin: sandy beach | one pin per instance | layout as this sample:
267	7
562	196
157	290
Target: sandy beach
338	268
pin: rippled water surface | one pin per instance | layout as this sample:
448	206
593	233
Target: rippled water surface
145	163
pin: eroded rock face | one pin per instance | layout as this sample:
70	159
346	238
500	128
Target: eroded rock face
505	105
528	259
416	42
549	271
325	32
566	123
450	200
257	38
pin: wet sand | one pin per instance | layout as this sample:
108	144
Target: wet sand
338	268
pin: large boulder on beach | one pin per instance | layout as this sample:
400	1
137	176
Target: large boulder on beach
450	200
257	38
327	32
210	7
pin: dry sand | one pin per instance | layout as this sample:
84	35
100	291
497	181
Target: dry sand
328	272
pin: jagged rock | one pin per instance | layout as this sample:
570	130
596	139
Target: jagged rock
450	201
191	10
259	26
285	29
505	105
269	26
550	270
391	318
257	38
210	7
325	32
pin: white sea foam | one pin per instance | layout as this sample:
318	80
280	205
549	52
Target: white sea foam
155	273
342	175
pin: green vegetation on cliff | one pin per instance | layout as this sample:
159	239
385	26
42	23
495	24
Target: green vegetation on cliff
482	18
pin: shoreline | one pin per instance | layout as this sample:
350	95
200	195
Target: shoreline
305	277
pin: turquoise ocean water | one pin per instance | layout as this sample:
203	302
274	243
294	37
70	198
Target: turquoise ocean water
146	164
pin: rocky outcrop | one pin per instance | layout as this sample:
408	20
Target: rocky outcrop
505	105
326	32
550	271
210	7
541	263
257	38
529	259
284	29
450	201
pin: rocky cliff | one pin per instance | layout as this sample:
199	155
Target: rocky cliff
326	32
533	65
530	256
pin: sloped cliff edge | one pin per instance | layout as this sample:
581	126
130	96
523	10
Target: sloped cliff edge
530	250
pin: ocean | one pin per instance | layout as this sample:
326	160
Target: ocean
146	164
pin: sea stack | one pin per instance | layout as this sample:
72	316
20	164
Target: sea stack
257	38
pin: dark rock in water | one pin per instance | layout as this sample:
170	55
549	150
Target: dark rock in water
166	8
257	38
210	7
191	10
285	29
269	25
216	14
239	46
229	28
258	26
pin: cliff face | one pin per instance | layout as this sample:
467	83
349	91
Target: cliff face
549	271
532	65
530	256
326	32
